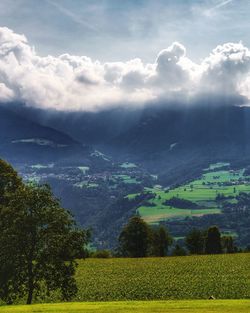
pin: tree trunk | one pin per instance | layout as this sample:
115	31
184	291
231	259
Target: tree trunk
30	283
30	296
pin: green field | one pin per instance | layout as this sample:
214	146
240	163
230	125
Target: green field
85	184
156	214
83	169
128	165
218	165
196	306
170	278
125	179
191	277
42	166
202	191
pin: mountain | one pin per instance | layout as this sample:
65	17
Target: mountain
164	138
166	129
166	133
167	140
23	140
106	166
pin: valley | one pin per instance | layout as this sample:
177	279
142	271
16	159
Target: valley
103	191
109	166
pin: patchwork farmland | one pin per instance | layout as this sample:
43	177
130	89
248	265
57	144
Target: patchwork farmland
203	194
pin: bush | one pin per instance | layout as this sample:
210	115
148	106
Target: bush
101	254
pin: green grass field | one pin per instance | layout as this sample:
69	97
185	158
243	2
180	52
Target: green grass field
125	179
83	169
156	214
202	191
217	165
171	284
191	277
128	165
85	184
170	278
197	306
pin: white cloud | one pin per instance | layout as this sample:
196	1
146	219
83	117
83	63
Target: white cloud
226	69
78	83
170	72
5	93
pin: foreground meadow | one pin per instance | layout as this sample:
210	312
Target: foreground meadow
199	306
154	279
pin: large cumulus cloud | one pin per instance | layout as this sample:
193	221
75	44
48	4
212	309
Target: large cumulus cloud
72	82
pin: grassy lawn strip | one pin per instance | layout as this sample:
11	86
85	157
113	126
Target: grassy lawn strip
191	306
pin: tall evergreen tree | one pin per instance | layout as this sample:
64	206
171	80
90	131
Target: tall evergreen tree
161	240
228	244
195	241
213	241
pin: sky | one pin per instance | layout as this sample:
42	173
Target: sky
118	30
89	54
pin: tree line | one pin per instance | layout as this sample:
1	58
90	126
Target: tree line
138	239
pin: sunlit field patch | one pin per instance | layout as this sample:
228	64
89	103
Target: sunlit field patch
196	306
203	191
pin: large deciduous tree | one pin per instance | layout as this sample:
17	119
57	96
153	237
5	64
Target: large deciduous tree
39	241
135	238
9	181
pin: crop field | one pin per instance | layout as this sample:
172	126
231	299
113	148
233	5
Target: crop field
153	215
170	284
83	169
191	277
85	184
42	166
196	306
125	179
202	191
218	165
128	165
